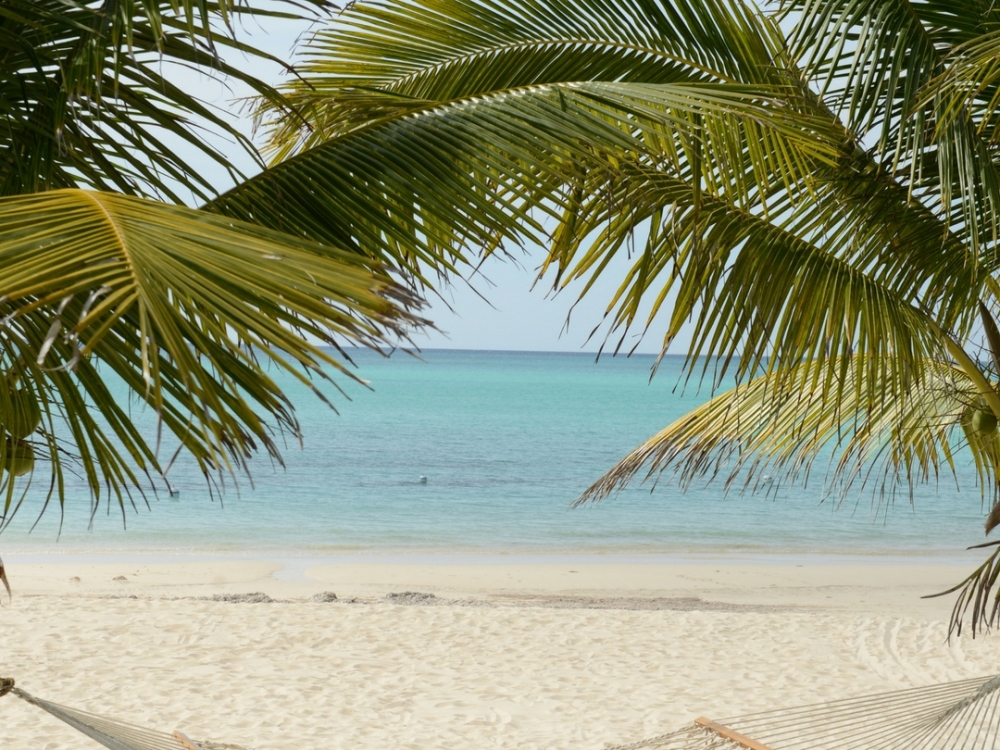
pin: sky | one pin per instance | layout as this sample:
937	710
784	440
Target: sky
498	310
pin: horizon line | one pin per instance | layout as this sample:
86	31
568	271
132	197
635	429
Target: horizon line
613	355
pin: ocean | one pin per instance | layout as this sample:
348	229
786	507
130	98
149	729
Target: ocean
506	441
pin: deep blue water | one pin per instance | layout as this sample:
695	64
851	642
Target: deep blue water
507	441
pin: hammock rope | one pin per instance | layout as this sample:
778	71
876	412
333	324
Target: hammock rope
961	715
113	734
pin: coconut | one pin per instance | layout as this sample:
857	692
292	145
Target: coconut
20	457
984	422
24	415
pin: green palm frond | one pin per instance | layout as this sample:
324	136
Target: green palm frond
471	59
965	97
881	63
755	287
974	598
425	51
87	98
872	58
189	310
970	86
763	428
507	126
443	178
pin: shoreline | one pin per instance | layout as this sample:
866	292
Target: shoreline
857	587
473	556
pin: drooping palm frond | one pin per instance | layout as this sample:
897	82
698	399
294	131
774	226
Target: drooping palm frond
764	429
423	51
457	65
468	171
969	84
877	62
189	310
974	598
966	96
870	58
88	97
486	107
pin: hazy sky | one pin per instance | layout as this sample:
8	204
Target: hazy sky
515	317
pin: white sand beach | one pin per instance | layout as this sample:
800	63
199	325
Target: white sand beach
537	655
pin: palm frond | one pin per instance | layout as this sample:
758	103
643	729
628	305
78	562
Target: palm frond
189	310
529	132
969	87
444	178
877	61
872	57
974	598
763	428
87	97
432	51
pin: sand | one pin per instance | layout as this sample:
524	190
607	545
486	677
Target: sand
540	655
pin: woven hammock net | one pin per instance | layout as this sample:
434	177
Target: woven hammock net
953	716
119	735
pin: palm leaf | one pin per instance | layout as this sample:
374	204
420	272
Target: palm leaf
85	100
764	428
877	61
723	151
187	309
467	170
839	273
974	596
506	88
427	50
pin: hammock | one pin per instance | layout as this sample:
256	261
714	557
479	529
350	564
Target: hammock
953	716
113	734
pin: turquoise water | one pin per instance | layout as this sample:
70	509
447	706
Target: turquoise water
507	441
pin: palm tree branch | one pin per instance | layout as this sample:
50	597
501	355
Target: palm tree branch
770	427
181	305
